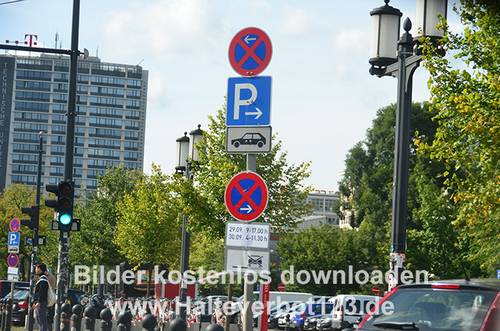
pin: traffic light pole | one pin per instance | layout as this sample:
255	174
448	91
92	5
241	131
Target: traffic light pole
34	247
62	265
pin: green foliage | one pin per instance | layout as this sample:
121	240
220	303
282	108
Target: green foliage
367	181
465	105
321	248
94	244
12	200
207	254
287	192
148	227
434	243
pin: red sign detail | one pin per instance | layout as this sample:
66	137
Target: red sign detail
281	287
31	39
14	225
12	260
240	40
235	208
265	300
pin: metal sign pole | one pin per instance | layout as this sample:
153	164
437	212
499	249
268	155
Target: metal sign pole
247	316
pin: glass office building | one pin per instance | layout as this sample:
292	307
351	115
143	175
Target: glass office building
110	122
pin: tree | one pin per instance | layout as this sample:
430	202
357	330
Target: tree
12	199
316	249
433	241
465	94
366	186
287	192
148	226
207	254
94	244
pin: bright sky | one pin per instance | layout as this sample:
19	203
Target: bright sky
323	98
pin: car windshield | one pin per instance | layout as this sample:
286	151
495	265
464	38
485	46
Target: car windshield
434	309
321	309
19	295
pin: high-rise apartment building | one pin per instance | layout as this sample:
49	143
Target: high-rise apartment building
110	122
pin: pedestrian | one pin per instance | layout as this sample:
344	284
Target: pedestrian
51	309
40	298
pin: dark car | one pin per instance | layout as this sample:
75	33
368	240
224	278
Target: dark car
249	139
443	305
311	309
277	311
20	303
311	322
5	286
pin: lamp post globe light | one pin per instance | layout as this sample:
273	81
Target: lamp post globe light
196	136
182	153
400	58
187	153
385	28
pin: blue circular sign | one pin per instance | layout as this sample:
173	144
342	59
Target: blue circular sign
14	225
13	260
250	51
246	196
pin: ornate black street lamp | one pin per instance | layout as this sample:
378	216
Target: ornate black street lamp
400	58
187	153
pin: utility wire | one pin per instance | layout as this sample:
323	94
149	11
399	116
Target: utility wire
13	1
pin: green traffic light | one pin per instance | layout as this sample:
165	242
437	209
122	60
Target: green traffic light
65	219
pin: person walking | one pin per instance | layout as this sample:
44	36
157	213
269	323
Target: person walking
40	298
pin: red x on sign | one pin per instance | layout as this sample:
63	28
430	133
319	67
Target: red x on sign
246	196
250	51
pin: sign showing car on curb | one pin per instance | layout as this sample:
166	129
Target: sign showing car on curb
238	259
248	101
251	139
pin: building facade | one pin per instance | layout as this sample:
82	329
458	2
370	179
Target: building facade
323	203
110	121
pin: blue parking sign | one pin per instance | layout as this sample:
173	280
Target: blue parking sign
14	238
249	101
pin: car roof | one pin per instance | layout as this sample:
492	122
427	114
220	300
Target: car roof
480	283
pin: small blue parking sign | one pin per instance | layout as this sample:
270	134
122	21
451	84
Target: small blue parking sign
498	273
248	101
14	238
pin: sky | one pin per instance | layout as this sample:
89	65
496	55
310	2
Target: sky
323	98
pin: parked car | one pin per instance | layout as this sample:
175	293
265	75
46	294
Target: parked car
5	286
20	303
311	322
285	317
324	323
350	308
275	297
310	309
277	311
444	305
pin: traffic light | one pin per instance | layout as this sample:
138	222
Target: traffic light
32	223
63	206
